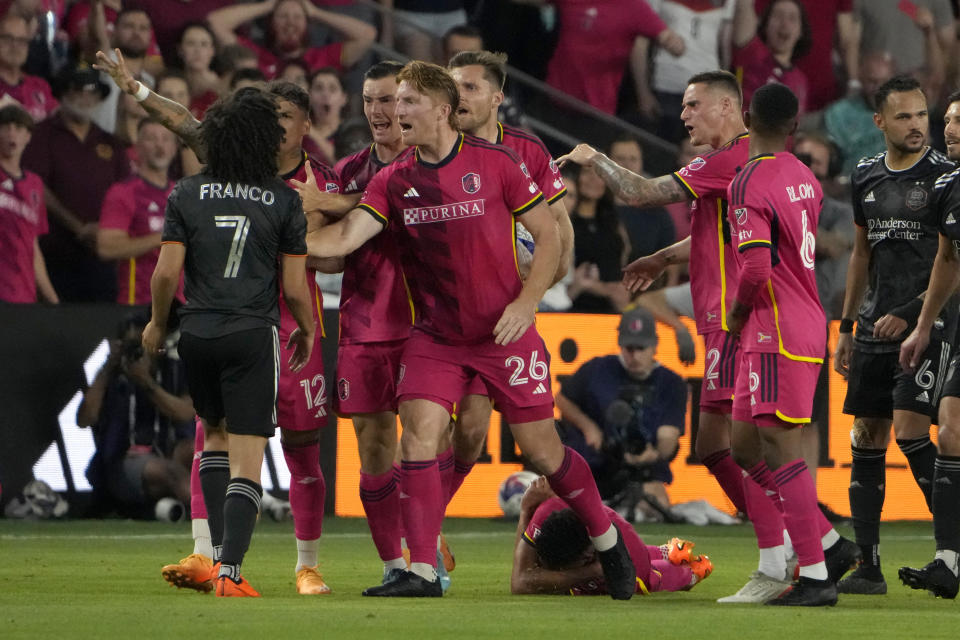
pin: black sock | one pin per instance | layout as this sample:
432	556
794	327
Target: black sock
240	516
946	502
921	454
214	476
867	478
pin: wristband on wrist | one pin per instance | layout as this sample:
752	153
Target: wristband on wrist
142	92
846	325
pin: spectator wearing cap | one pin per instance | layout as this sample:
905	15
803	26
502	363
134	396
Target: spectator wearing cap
77	161
30	92
625	413
23	217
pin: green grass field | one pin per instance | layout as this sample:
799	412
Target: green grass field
101	579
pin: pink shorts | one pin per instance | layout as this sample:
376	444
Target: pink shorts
722	351
367	377
516	376
760	380
302	395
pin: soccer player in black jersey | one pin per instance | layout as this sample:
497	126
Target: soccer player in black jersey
940	576
231	226
897	228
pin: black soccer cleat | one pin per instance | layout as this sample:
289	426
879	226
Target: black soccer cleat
841	557
807	592
407	585
865	581
618	570
936	578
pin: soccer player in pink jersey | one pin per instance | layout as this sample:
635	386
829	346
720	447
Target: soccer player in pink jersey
23	216
775	203
131	217
451	206
552	552
712	115
301	395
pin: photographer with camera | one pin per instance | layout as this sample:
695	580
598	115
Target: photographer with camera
143	424
625	413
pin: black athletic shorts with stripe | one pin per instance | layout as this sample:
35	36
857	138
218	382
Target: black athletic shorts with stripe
877	385
234	377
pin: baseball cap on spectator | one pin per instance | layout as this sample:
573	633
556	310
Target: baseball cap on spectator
15	114
79	78
637	328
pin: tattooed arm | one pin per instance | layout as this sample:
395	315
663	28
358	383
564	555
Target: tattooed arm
626	185
172	115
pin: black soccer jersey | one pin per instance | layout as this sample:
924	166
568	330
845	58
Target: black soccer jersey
898	211
234	235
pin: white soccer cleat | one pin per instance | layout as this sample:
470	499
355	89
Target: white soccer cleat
758	590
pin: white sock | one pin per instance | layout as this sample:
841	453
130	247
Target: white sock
829	539
606	540
788	545
201	537
773	562
267	501
949	557
815	571
396	563
424	570
306	553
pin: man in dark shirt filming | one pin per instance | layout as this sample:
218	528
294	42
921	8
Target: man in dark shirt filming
233	227
627	412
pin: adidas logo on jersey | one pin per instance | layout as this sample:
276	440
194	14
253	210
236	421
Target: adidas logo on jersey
411	193
923	397
870	198
540	389
352	186
950	219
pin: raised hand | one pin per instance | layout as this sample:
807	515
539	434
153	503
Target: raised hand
117	70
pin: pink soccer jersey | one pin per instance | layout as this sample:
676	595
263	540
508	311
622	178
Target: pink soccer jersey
374	306
456	226
23	218
537	158
34	95
713	267
775	203
136	207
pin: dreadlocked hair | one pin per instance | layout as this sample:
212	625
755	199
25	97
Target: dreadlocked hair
242	135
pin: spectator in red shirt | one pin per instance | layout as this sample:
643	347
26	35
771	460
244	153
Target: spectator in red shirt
23	217
287	36
81	25
173	85
31	92
765	51
171	16
196	49
327	99
77	161
131	219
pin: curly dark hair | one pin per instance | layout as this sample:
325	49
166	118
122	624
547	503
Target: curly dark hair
563	538
242	135
804	43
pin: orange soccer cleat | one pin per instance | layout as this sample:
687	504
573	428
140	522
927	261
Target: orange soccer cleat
680	551
310	582
196	571
702	567
227	588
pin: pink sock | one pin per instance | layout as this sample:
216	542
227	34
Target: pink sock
461	470
198	509
799	496
574	483
728	474
445	464
396	477
307	490
668	577
762	475
380	497
766	518
421	506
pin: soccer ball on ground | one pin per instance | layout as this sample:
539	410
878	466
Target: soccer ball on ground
511	492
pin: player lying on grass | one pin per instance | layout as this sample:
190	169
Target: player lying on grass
553	553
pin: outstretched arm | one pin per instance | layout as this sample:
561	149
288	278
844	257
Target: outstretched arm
626	185
343	237
172	115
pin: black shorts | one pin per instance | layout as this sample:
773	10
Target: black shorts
234	377
951	386
877	385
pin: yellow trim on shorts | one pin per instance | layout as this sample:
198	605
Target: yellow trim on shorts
783	350
791	420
